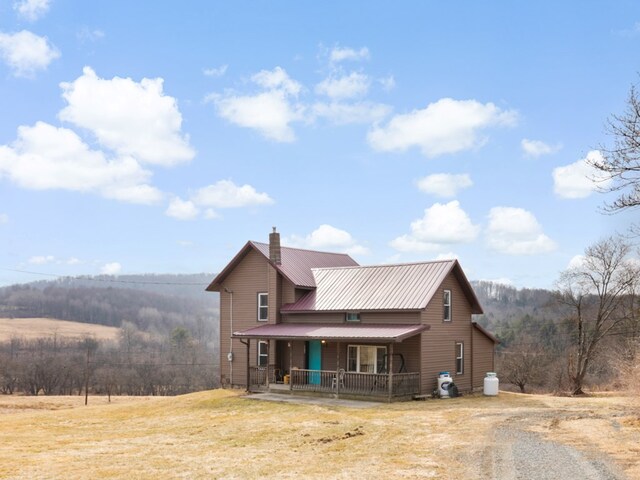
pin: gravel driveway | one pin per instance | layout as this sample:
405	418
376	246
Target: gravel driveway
519	454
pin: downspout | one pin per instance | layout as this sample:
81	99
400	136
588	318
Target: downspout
472	354
230	355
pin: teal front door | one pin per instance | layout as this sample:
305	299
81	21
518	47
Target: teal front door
315	361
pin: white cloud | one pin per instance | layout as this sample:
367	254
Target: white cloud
132	118
85	34
270	112
502	281
341	54
388	83
45	157
73	261
4	218
226	194
327	237
516	231
348	113
441	225
277	79
215	72
347	86
25	53
579	179
630	32
182	209
112	268
446	126
447	256
31	10
185	243
211	214
41	259
577	261
444	184
536	148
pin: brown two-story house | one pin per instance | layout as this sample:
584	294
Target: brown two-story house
301	320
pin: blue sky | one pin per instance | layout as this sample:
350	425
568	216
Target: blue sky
161	136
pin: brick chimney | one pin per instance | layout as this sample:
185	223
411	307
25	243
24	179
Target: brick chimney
275	254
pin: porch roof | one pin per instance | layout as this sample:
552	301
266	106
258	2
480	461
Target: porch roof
316	331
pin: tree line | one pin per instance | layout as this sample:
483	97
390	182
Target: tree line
158	303
136	364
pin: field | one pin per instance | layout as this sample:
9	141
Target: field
221	434
33	328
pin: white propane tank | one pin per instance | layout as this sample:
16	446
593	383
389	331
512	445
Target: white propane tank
491	384
444	380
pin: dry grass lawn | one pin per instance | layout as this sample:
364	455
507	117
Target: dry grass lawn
221	434
33	328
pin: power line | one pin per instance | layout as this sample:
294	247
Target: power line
104	280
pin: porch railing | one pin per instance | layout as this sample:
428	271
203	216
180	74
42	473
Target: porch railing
258	375
312	380
367	384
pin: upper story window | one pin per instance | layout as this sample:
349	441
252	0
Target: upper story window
352	317
446	301
263	307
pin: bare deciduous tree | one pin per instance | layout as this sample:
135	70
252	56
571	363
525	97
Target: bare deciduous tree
524	363
597	294
621	162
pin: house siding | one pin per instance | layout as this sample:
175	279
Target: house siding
252	275
438	346
398	318
483	357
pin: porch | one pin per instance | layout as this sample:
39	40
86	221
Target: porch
380	385
339	360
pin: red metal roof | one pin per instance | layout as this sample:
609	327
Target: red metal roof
380	287
297	263
310	331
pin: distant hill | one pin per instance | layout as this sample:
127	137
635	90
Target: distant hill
512	313
35	328
152	302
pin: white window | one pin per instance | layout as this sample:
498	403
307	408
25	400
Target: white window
352	317
447	305
263	307
366	358
263	353
459	358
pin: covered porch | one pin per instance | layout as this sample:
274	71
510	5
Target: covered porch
373	361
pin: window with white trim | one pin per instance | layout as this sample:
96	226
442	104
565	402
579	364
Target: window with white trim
263	353
366	358
352	317
446	301
459	358
263	307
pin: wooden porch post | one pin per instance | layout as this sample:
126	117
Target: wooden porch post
390	372
290	343
266	377
248	344
338	369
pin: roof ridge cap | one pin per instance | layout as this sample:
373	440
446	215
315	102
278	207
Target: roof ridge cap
453	260
304	249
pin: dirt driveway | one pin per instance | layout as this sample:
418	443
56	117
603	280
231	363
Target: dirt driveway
520	454
563	439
